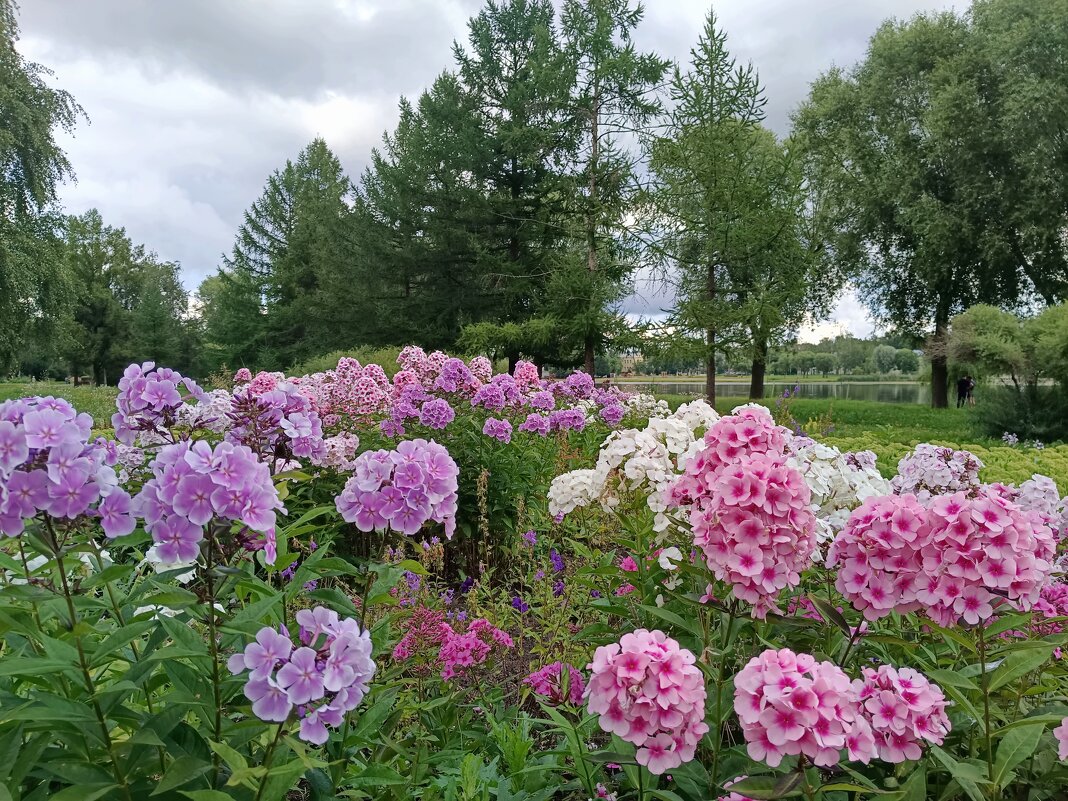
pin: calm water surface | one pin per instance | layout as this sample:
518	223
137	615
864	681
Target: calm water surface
881	391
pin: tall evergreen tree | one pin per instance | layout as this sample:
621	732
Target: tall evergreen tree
613	98
295	241
34	284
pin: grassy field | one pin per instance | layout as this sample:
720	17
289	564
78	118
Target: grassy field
98	402
771	379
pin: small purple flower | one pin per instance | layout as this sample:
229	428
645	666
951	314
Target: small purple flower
466	585
531	538
557	560
520	604
558	589
595	594
269	701
301	678
539	575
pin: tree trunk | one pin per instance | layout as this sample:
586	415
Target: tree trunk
940	365
756	381
589	341
710	367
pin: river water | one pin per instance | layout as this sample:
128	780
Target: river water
881	391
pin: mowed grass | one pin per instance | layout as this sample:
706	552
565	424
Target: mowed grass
97	402
893	429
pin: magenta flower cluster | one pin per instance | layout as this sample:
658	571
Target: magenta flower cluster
402	489
749	430
47	465
148	401
192	484
548	682
789	704
957	559
754	524
462	650
904	711
649	691
322	679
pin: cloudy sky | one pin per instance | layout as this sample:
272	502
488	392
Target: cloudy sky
192	104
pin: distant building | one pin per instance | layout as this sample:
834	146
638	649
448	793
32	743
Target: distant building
628	363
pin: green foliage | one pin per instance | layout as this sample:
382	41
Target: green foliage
35	287
935	187
385	357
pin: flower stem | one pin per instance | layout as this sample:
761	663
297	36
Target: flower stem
267	760
984	683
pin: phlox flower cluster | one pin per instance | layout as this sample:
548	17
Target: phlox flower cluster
958	558
647	689
755	526
422	632
350	390
194	483
265	382
47	465
1040	494
838	484
338	452
242	376
931	470
642	461
322	679
462	650
277	425
548	682
401	489
148	402
904	711
646	406
210	412
1052	603
789	704
500	430
746	431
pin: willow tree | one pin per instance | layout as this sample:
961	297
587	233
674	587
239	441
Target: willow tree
940	165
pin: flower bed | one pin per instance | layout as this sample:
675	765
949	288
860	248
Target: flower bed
453	584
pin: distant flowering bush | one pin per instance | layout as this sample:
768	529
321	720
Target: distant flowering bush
322	679
930	470
193	484
754	525
549	681
648	691
904	711
790	704
242	376
402	489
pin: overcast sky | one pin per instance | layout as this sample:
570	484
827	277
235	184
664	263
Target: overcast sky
192	104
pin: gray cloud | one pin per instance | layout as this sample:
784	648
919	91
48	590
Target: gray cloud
194	102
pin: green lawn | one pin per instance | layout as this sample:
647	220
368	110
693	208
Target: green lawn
892	429
98	402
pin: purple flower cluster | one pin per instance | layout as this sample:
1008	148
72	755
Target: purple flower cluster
436	413
401	489
535	424
149	400
193	483
500	430
568	419
322	679
47	465
277	424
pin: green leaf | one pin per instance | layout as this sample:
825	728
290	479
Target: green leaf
690	626
1019	663
1016	746
82	792
964	774
182	771
952	679
232	758
336	600
763	788
846	787
206	795
5	794
830	614
375	776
